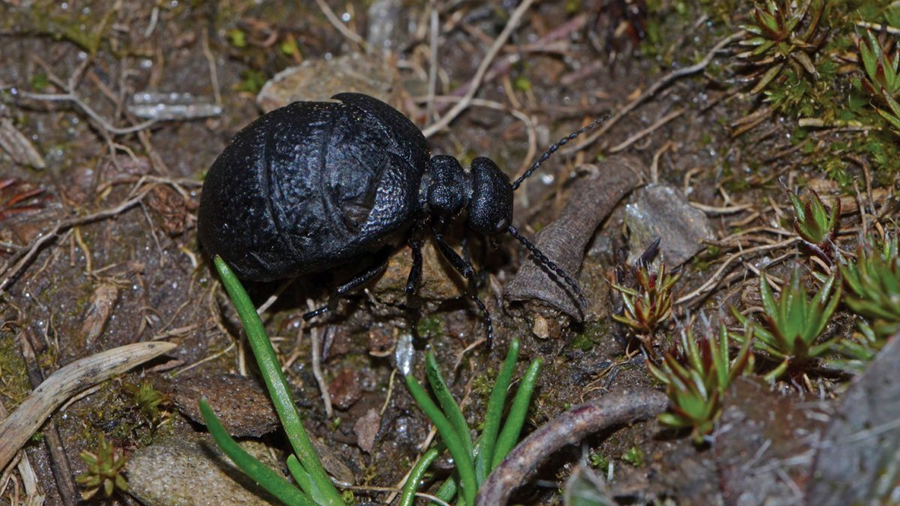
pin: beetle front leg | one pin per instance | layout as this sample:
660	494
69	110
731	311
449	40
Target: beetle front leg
465	268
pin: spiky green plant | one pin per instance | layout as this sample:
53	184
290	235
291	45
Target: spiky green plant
856	352
873	283
792	323
816	226
148	399
893	115
650	305
104	470
882	77
696	373
781	34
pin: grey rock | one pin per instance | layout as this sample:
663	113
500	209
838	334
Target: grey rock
664	212
386	20
192	471
319	80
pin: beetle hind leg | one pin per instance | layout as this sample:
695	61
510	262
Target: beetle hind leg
354	283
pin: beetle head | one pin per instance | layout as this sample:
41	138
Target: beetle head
490	207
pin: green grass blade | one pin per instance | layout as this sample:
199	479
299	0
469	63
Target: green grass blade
509	436
495	412
276	384
448	403
449	489
299	473
415	476
256	470
464	464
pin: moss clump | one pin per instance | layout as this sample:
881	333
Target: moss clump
14	384
430	327
634	456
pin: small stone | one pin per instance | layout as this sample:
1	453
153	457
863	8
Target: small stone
439	281
346	389
385	26
241	404
170	472
664	212
366	428
541	328
318	80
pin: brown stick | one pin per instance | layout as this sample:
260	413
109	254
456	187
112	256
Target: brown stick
63	384
568	428
564	240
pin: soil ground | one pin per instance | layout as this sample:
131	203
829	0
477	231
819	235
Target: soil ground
69	75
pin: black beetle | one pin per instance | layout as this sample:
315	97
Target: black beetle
317	185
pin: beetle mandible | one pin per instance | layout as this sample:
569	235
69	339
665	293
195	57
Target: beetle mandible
317	185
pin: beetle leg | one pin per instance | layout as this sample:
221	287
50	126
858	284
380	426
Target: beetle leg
354	283
415	273
465	268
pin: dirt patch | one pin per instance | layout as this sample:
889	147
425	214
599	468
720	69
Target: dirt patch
98	239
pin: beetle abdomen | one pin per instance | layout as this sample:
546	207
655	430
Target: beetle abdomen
311	186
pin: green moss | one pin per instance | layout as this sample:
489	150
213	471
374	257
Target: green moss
582	342
704	260
237	38
592	335
14	384
634	456
251	81
430	326
599	462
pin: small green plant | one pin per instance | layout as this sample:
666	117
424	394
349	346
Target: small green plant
104	470
696	373
783	34
873	284
892	116
599	462
792	323
634	456
650	305
148	399
882	77
816	226
473	462
316	488
858	350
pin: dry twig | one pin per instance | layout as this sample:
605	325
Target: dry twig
28	417
482	70
24	256
568	428
653	90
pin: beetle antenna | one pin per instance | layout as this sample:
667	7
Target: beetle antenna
542	259
552	149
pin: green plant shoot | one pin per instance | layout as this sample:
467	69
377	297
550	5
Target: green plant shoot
304	466
696	373
473	464
792	323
